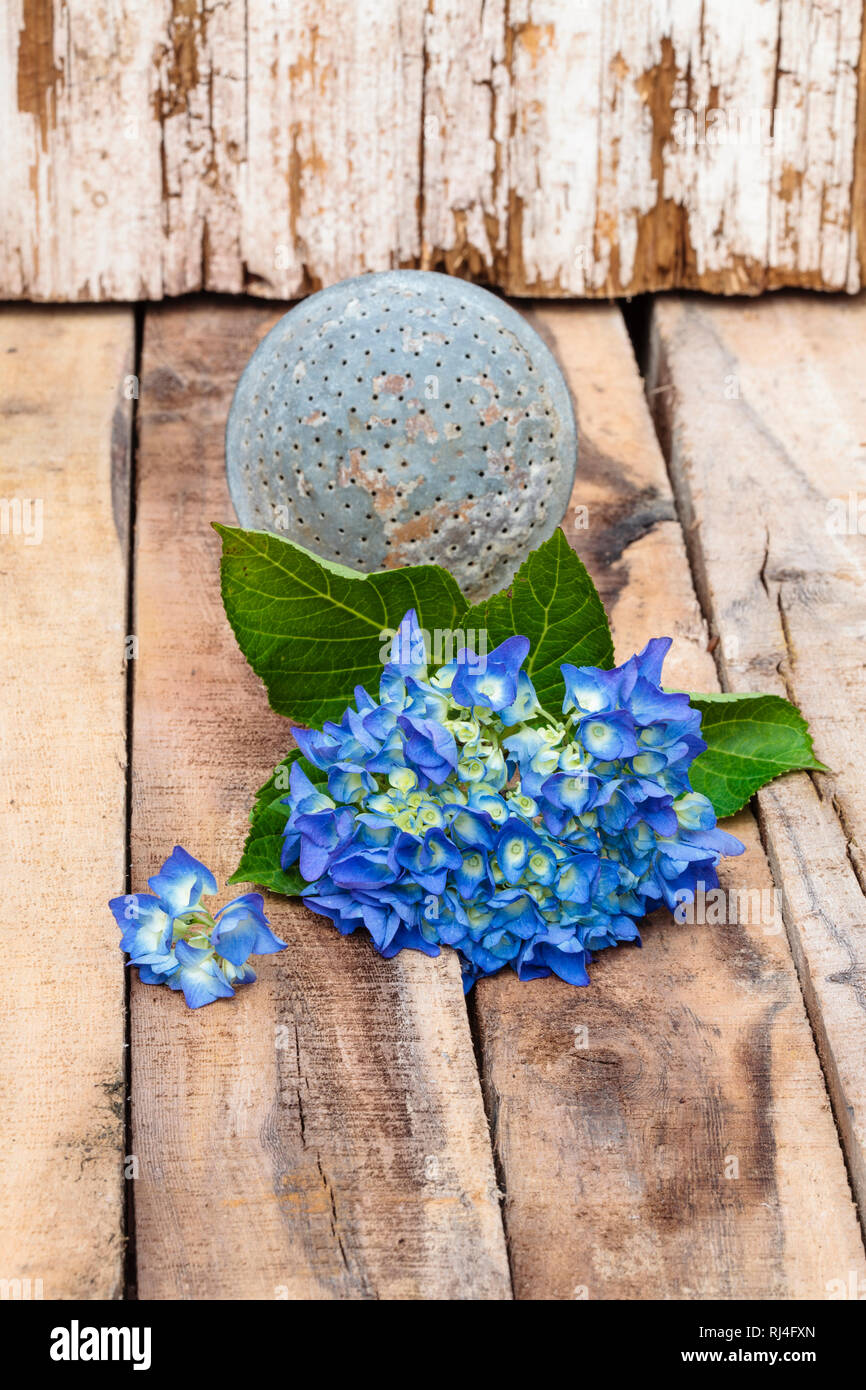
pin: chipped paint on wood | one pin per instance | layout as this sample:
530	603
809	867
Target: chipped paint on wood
39	72
556	147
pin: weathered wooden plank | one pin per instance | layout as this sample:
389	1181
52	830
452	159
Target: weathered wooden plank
64	440
764	415
666	1132
322	1135
334	141
553	147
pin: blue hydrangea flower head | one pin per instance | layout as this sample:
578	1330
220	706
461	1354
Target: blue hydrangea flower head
173	939
456	811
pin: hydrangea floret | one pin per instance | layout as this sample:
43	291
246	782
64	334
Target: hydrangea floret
175	940
459	812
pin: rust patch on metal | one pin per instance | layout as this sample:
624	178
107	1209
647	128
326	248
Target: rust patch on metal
384	494
445	525
393	385
418	424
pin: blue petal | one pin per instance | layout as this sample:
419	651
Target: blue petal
200	977
142	920
314	858
574	792
568	961
491	689
473	829
429	748
149	976
649	705
513	847
524	705
300	785
473	872
511	654
428	860
267	942
235	940
407	938
181	882
609	737
408	651
590	690
241	922
349	782
362	870
201	986
651	659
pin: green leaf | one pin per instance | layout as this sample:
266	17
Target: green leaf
554	603
750	740
312	630
260	861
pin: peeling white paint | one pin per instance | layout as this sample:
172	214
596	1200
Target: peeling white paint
165	147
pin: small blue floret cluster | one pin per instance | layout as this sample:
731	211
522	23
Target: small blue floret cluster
458	812
174	940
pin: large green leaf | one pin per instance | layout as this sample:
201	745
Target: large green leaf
750	740
260	861
554	603
312	630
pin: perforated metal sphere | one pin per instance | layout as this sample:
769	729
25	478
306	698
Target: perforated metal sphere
404	418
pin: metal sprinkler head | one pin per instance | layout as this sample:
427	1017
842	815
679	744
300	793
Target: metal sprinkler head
404	418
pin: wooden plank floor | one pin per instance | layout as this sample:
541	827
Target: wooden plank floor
666	1133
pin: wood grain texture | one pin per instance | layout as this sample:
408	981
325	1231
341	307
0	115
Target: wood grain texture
553	147
682	1146
64	443
764	415
323	1134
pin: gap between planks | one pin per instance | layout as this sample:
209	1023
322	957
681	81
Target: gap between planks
130	1270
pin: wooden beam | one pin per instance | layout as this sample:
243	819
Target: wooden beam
763	412
65	419
323	1134
666	1132
547	146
